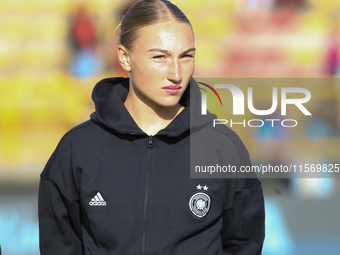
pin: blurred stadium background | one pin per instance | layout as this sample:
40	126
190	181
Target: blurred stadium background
53	52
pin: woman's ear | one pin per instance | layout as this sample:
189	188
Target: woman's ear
123	58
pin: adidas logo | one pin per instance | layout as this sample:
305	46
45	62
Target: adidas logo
98	200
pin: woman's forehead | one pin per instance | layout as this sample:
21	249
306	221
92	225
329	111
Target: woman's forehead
165	35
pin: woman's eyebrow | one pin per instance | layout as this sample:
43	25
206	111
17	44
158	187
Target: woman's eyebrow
189	50
167	52
160	50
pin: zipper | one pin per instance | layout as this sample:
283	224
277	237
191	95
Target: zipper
146	194
150	144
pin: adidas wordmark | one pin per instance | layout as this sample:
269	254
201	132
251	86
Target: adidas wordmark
98	200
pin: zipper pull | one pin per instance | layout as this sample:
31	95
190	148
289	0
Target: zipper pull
150	143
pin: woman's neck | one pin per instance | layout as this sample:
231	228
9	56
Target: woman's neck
149	116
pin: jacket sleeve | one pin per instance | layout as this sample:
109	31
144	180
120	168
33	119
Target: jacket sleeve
243	223
59	213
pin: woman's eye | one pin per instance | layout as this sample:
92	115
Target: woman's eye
188	56
159	57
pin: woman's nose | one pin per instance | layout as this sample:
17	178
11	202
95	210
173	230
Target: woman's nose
175	72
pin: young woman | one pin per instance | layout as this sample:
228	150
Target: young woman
120	182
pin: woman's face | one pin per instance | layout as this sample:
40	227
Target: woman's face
161	62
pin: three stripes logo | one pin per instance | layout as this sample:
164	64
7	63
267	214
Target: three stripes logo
204	97
98	200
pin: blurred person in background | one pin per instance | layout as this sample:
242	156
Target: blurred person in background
120	182
83	36
331	62
83	31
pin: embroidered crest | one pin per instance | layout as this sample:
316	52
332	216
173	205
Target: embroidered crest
199	203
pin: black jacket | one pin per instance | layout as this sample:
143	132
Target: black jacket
109	188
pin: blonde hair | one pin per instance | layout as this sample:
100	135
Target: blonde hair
144	13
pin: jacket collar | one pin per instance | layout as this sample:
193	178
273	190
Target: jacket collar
109	95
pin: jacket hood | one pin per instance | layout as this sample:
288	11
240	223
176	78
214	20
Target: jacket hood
109	95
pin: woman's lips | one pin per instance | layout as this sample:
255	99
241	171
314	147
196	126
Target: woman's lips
172	90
